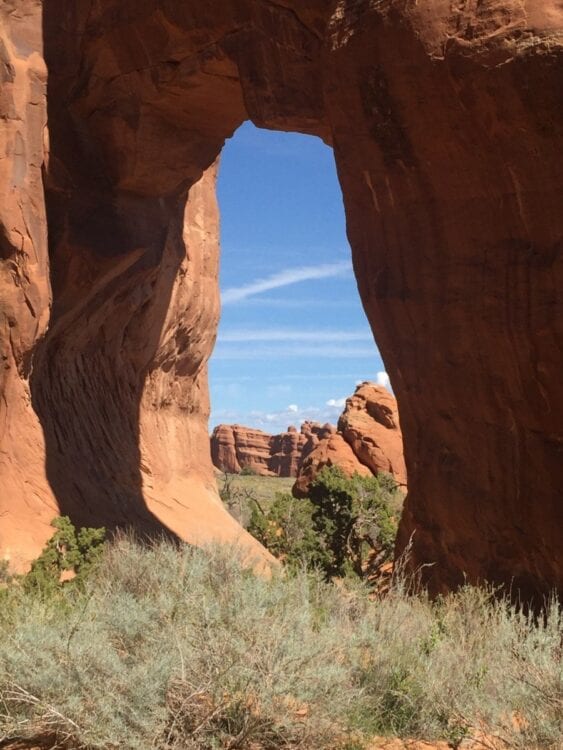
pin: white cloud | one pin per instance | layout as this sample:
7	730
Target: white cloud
339	402
278	421
282	352
285	278
301	303
288	334
383	379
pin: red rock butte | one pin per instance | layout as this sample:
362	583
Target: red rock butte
235	447
446	124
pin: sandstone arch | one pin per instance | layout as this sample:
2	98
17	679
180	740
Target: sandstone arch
446	123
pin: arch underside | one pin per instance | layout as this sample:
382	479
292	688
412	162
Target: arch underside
447	133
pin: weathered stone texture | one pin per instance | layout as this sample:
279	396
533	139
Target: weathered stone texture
27	503
370	426
234	448
446	122
368	441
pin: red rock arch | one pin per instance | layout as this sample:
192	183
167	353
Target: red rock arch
447	133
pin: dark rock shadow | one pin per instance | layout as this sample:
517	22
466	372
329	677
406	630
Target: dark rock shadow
110	297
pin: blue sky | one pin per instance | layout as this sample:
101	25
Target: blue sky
293	339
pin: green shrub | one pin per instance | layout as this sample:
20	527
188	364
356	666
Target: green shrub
347	524
354	518
248	471
287	530
67	550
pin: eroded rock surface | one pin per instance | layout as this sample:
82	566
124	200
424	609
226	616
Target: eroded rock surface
368	440
235	447
331	451
370	426
27	503
446	122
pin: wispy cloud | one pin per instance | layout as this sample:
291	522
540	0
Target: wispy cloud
285	278
331	351
346	377
287	334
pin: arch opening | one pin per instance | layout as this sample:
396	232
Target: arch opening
293	339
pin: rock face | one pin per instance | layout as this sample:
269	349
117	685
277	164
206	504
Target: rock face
234	447
447	131
332	450
286	450
368	440
370	426
27	502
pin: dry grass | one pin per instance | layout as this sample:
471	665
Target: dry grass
180	648
240	492
264	489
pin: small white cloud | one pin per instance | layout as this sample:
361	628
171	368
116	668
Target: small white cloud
383	379
276	422
339	402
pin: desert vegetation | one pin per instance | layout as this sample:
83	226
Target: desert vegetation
171	647
347	525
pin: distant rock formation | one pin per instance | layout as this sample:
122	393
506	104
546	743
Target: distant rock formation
368	440
235	447
332	450
370	425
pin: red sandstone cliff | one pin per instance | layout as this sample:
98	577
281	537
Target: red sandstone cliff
234	447
446	122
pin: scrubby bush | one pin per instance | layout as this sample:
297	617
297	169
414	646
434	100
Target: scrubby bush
5	576
345	526
248	471
177	648
238	499
287	530
68	550
354	518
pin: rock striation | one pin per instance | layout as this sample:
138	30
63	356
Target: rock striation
234	448
368	440
446	123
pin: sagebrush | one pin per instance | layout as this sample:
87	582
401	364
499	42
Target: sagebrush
172	647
